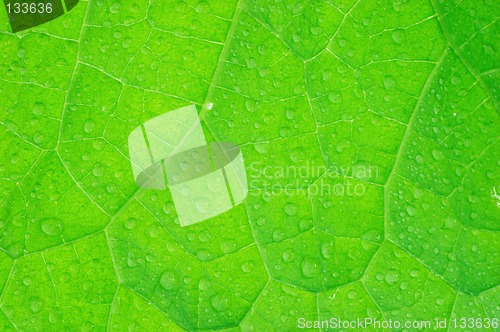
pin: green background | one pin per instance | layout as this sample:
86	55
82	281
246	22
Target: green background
409	87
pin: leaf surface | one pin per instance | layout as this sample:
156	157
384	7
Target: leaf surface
370	136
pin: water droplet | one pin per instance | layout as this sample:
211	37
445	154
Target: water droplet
203	7
204	255
38	108
389	82
488	49
411	211
228	246
398	36
289	255
219	302
55	196
204	284
251	63
290	208
392	276
263	72
168	281
36	304
455	80
327	249
297	154
97	171
473	199
38	138
436	154
278	235
310	268
89	126
352	294
27	281
130	223
51	226
247	267
334	97
327	74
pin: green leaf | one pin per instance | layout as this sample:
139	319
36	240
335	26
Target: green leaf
369	132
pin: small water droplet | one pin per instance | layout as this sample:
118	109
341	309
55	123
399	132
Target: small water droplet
411	211
436	154
398	36
290	209
130	223
89	126
219	302
38	138
389	82
27	281
289	255
247	267
36	304
251	63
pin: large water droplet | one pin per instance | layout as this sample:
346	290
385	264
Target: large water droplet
51	226
168	281
392	276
